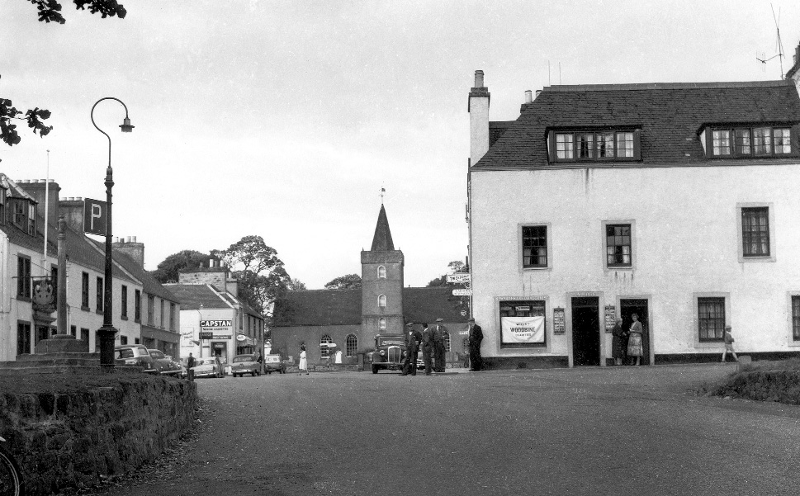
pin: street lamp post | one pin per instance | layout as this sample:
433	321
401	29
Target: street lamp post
107	332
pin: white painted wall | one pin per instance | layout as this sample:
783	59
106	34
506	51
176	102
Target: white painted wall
686	241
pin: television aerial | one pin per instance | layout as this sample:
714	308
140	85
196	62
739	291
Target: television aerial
778	44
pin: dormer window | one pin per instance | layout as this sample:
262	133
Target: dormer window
31	219
749	142
594	145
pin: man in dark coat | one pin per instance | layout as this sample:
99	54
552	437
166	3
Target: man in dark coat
413	340
190	362
475	338
438	345
427	347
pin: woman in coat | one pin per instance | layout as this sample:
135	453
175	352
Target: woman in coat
303	366
635	339
619	342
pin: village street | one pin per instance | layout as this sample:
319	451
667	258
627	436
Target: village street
570	431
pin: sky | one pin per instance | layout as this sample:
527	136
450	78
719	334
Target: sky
284	119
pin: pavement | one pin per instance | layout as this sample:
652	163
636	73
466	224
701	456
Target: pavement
593	431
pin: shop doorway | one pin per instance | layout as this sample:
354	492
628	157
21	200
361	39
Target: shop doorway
638	306
220	350
585	331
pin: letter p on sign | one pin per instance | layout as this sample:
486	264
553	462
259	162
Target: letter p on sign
94	216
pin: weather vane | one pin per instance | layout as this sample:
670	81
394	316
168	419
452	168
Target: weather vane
778	43
383	191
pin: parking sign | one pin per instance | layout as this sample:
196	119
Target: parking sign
94	216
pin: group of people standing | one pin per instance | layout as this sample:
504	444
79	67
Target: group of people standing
627	343
431	341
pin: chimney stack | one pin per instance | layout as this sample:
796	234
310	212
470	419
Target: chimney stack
478	108
130	247
72	209
528	96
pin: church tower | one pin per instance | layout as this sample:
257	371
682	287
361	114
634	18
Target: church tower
381	284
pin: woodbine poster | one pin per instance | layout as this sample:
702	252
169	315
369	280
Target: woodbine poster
522	329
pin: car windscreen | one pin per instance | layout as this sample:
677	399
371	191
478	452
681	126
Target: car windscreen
387	342
125	353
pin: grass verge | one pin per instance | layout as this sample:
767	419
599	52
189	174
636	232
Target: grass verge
777	381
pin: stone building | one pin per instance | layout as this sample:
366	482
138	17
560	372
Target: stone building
350	318
674	201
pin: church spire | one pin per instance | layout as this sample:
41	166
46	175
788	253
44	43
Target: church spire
382	241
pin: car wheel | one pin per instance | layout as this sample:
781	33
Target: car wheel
374	369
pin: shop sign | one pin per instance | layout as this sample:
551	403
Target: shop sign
462	292
240	337
559	325
206	335
611	317
222	336
215	324
523	329
459	278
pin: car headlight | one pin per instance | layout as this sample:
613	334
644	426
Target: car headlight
383	352
130	361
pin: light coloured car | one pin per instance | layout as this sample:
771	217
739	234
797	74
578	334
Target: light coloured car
208	367
245	364
135	354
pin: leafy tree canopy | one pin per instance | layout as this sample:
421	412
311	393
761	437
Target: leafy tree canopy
167	271
261	274
49	11
350	281
454	267
297	285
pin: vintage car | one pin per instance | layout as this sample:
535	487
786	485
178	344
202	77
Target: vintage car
245	364
164	364
208	367
388	354
273	363
135	354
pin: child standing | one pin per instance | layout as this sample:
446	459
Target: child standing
728	339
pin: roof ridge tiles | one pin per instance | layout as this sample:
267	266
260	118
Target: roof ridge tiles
665	86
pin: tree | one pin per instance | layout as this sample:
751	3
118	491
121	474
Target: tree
297	285
49	11
455	267
261	274
350	281
167	271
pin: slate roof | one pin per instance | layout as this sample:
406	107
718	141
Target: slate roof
670	116
323	307
149	283
193	296
382	240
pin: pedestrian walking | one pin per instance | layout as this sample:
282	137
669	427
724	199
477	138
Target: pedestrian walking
190	362
303	365
475	338
427	347
635	339
619	343
438	345
728	339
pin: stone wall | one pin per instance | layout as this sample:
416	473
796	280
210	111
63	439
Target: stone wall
73	438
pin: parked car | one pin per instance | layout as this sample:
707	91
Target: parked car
245	364
273	363
135	354
164	364
388	354
208	367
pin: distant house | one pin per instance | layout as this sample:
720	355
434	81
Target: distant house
674	201
352	318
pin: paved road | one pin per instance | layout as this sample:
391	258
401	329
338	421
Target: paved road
569	431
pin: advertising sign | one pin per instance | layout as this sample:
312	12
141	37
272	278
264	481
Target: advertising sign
206	335
559	326
611	317
522	329
94	216
462	292
458	278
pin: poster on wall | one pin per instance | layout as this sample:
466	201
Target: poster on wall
559	327
522	329
611	317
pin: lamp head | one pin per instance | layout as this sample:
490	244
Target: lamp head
126	126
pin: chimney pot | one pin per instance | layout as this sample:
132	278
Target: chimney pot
479	79
528	96
133	238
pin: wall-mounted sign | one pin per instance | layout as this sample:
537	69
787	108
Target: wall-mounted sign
94	216
522	329
611	317
458	278
462	292
559	324
241	337
206	335
215	324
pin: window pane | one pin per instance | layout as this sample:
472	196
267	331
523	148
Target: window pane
564	146
534	246
711	318
742	138
721	142
783	143
762	140
605	145
796	318
352	345
585	145
618	245
755	232
624	145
